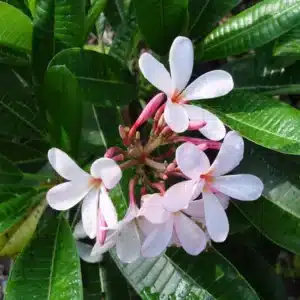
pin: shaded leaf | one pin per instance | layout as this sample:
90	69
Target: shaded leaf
95	10
9	173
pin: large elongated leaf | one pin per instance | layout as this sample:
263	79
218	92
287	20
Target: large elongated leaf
9	173
160	21
263	120
50	259
103	79
15	28
96	9
204	14
252	28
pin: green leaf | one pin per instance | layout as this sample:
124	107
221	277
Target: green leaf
204	14
266	121
250	29
249	74
19	4
9	173
103	80
13	57
15	28
63	103
31	4
160	21
50	259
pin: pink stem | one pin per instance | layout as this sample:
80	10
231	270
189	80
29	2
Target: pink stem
196	125
128	164
132	185
178	174
168	154
160	186
197	141
119	157
112	151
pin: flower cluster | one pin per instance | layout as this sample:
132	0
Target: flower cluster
186	214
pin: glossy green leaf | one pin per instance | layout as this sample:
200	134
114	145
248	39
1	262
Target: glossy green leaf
63	104
19	4
281	196
9	173
95	10
31	4
251	28
103	80
15	28
250	74
160	21
204	14
263	120
50	259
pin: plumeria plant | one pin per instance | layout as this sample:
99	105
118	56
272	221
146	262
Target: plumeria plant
148	149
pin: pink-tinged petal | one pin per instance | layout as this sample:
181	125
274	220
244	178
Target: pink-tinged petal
214	128
176	117
209	85
230	155
64	165
157	241
79	232
99	249
156	73
179	195
128	244
85	253
224	199
192	161
181	61
192	238
153	209
67	194
195	209
89	211
174	242
215	218
107	170
108	209
241	187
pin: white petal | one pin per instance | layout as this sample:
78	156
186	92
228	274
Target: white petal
79	232
195	209
85	253
89	213
128	244
176	117
192	161
64	165
215	218
153	209
67	194
157	241
242	187
224	199
192	238
179	195
108	209
181	61
230	155
214	128
107	170
99	249
145	226
156	73
209	85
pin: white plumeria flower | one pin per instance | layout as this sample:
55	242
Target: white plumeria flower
210	85
209	179
105	174
172	226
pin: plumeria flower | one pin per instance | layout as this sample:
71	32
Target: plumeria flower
210	179
172	225
210	85
92	188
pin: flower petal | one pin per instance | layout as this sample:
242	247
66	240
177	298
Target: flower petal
108	209
107	170
79	232
67	194
192	238
157	241
215	218
89	211
99	249
179	195
192	161
242	187
153	209
209	85
128	244
176	117
156	73
230	155
214	128
85	253
64	165
195	209
224	199
181	61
